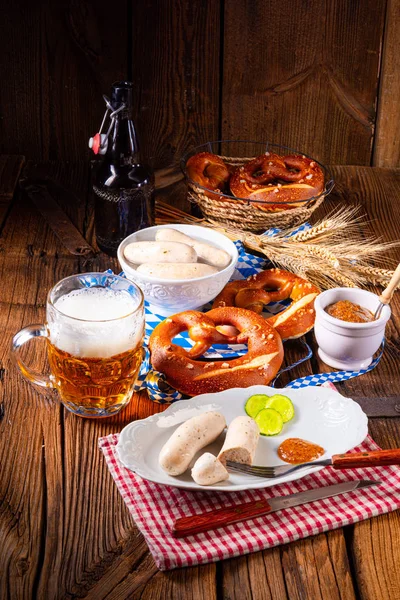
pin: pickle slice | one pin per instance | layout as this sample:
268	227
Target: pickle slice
255	403
269	421
283	405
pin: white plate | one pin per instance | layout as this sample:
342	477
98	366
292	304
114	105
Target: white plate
322	416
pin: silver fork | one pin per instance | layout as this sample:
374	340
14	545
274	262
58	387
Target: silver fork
272	472
376	458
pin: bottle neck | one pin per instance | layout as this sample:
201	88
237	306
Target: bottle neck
123	148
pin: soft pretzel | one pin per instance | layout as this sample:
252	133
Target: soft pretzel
209	170
258	367
273	285
288	180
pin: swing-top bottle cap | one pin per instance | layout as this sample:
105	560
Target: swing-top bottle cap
121	92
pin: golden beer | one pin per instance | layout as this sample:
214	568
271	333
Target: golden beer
89	384
94	332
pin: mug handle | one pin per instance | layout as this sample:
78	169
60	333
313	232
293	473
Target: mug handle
19	339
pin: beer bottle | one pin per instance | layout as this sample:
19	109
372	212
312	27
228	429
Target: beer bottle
123	186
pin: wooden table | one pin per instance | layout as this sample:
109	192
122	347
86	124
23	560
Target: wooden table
65	531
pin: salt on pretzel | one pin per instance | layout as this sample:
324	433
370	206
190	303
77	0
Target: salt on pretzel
189	376
273	285
286	180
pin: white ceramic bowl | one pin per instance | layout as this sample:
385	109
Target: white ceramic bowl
166	296
343	345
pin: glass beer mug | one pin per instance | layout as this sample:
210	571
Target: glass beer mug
94	331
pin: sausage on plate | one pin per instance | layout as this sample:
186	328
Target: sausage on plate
188	439
208	470
241	441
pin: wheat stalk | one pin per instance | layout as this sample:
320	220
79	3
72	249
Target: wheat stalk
332	252
331	227
309	234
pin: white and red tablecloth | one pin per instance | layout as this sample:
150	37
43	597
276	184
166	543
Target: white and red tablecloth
155	507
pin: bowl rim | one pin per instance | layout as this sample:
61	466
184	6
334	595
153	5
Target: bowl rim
329	181
122	261
319	310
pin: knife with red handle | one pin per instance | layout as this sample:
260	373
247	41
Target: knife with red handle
250	510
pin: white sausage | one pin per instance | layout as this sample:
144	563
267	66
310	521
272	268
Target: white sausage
176	270
210	254
157	252
188	439
208	470
241	441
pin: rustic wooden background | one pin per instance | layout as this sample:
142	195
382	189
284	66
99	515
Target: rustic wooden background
322	76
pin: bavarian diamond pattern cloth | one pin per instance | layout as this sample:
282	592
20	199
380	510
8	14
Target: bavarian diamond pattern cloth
155	383
335	376
161	392
247	265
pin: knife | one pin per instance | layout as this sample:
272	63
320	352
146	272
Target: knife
250	510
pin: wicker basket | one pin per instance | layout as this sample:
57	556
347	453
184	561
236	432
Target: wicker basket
240	212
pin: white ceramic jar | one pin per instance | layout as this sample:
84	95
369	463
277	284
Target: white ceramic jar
343	345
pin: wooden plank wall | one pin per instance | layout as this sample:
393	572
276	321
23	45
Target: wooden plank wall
321	76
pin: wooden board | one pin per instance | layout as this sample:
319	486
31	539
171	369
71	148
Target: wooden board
387	135
65	530
10	169
175	62
58	58
21	124
372	540
307	74
303	74
375	192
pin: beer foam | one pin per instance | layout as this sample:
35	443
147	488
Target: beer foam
107	325
96	304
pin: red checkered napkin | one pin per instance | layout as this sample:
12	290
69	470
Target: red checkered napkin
155	508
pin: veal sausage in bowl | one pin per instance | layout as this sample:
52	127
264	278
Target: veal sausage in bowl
188	439
176	270
206	252
157	252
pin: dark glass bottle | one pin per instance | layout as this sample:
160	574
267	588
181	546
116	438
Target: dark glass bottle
123	186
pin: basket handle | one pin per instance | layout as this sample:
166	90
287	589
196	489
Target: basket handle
329	186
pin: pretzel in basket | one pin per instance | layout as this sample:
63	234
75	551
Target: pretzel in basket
273	285
258	367
209	170
288	180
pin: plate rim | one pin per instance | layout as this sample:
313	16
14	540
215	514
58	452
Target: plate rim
193	486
